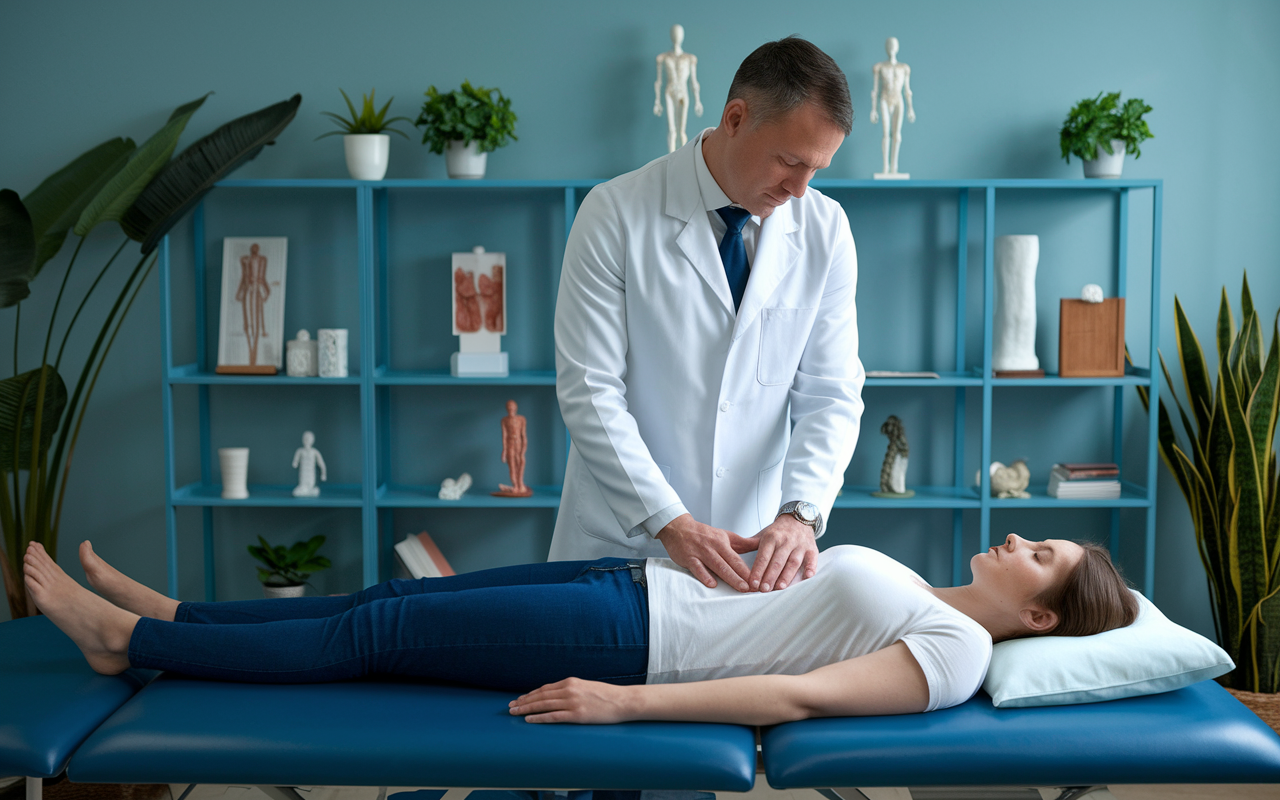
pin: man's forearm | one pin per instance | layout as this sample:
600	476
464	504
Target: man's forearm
751	700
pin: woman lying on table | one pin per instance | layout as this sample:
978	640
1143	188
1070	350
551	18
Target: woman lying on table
615	639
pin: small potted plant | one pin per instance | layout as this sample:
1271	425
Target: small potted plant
1100	131
468	123
287	568
367	148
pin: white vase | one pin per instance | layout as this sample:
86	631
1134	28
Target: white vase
1106	165
234	462
465	160
272	592
1014	335
332	352
367	155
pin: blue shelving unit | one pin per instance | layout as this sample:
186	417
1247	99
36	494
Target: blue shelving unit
377	497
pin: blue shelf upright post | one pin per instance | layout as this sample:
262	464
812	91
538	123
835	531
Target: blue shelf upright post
384	529
962	275
1117	423
988	312
202	401
166	389
1153	389
365	233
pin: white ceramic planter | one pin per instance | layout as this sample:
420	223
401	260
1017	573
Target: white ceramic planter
367	155
465	160
1106	165
273	592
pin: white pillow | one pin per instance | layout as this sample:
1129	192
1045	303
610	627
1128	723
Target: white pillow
1151	655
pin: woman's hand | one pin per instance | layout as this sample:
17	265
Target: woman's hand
573	700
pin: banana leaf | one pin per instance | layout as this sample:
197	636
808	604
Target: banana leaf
124	187
186	179
17	249
57	203
17	415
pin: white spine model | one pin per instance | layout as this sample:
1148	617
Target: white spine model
305	459
681	69
1014	345
890	87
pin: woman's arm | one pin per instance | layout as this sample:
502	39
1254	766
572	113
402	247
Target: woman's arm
888	681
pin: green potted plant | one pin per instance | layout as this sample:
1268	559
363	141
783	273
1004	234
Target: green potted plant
367	147
468	123
285	569
147	193
1099	131
1226	469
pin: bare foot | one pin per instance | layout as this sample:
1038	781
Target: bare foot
122	590
99	629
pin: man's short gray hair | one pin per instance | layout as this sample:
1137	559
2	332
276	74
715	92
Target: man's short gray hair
783	75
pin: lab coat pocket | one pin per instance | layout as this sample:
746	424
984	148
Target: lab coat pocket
769	493
783	333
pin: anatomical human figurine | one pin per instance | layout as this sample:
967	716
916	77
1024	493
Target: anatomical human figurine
681	68
515	442
491	300
467	314
252	294
305	459
891	80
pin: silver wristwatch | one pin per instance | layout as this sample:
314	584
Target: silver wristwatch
807	513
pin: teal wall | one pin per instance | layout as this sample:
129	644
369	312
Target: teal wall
992	81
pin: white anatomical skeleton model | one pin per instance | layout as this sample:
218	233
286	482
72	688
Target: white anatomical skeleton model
305	459
681	69
891	80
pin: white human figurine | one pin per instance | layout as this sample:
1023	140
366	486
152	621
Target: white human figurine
681	69
453	489
891	80
305	459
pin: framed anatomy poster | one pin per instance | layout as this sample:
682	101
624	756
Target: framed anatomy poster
251	322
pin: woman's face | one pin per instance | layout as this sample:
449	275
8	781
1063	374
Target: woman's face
1021	570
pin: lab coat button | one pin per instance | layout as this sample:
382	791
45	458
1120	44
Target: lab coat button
721	472
725	405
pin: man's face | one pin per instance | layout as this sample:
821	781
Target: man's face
771	163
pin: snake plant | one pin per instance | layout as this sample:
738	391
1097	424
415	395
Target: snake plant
147	193
1226	468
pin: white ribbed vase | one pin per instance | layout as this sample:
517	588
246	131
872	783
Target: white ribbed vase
1014	342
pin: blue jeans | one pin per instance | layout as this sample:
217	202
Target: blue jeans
512	628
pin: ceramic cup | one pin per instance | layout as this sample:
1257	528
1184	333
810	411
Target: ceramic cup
235	468
333	352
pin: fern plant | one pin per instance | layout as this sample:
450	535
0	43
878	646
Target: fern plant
1094	123
1226	469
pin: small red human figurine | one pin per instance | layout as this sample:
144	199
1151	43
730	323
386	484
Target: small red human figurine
514	443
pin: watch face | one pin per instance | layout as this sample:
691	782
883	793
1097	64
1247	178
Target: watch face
807	511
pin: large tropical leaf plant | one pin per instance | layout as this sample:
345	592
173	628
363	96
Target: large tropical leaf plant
1226	468
147	193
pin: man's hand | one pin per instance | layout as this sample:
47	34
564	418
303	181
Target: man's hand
573	700
708	552
784	548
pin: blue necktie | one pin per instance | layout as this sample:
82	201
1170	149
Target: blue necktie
733	252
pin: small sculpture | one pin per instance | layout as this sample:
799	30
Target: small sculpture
515	442
893	473
1091	293
891	80
479	314
453	489
681	69
305	459
301	356
1009	482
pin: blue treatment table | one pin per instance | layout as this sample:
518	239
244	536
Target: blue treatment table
1198	734
51	699
380	733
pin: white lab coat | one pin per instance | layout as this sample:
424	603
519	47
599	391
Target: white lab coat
673	400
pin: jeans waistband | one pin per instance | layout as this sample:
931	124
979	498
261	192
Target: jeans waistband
634	565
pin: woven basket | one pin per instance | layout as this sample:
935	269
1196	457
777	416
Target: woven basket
1266	706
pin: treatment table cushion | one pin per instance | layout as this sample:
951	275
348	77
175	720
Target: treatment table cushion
52	699
1198	734
363	733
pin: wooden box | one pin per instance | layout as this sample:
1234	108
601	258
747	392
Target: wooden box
1091	339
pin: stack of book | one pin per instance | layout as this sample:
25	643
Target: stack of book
1084	481
418	556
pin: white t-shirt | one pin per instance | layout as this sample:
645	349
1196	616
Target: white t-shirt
860	601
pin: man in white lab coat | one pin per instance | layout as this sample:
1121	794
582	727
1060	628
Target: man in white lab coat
710	379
